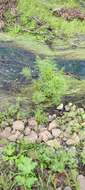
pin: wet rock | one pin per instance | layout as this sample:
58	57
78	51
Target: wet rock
56	132
60	107
45	136
73	140
5	133
52	125
53	143
15	136
81	180
27	131
32	123
32	137
18	125
67	188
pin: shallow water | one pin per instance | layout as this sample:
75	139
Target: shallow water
13	59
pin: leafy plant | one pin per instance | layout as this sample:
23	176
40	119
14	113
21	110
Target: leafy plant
26	176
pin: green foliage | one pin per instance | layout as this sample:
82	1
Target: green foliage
51	84
40	116
26	72
35	17
27	165
83	157
26	175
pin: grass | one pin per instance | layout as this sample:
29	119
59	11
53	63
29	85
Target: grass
33	11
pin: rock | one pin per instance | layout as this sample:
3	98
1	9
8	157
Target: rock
67	188
52	117
45	136
81	180
18	125
52	125
6	132
56	132
20	137
32	123
53	143
32	137
73	108
80	110
60	107
59	188
74	140
68	107
27	131
15	136
70	104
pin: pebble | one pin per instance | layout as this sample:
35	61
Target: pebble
56	132
5	133
32	137
60	107
15	136
18	125
67	188
27	131
45	136
52	125
32	123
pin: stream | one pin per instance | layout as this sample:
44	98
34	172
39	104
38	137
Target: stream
13	59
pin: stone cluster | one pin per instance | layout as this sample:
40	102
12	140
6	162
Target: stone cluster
62	131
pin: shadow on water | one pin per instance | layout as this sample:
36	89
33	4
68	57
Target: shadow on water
12	61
